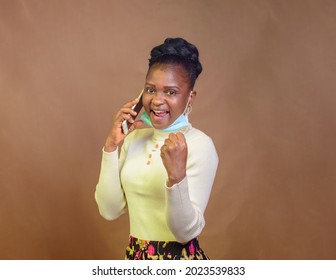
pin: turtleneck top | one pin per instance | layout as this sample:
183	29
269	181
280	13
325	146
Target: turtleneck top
136	181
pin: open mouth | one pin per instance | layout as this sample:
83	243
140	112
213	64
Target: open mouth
159	114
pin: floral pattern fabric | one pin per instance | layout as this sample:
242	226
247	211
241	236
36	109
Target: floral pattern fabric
139	249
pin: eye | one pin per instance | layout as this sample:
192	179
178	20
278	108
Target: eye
170	92
150	90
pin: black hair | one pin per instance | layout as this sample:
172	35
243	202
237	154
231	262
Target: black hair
178	51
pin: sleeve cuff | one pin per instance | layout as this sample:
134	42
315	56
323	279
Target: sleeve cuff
181	183
109	153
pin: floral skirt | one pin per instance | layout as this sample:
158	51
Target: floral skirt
139	249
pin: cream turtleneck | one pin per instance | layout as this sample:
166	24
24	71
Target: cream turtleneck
137	181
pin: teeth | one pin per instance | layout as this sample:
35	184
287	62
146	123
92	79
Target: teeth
159	112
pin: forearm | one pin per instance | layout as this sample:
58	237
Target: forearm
187	200
109	194
184	218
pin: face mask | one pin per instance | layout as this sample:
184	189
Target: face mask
181	122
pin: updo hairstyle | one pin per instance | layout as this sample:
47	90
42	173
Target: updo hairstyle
178	51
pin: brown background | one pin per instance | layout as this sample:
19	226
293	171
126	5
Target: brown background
266	97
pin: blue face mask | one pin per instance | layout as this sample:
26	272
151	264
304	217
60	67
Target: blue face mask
181	122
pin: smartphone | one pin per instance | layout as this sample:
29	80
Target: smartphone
137	108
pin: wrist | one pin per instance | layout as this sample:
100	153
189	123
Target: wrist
173	181
110	147
110	144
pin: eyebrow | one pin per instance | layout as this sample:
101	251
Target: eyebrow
165	87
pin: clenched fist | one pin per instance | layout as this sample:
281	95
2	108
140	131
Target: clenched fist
174	153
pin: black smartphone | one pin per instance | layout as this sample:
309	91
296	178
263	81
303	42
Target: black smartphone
137	108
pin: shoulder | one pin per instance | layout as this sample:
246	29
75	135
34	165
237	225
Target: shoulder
200	143
201	150
197	137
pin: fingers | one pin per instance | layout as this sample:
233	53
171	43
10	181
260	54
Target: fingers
137	124
126	112
131	103
127	108
174	153
116	134
174	141
181	137
126	117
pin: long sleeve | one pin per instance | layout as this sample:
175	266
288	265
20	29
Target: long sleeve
155	211
187	200
109	194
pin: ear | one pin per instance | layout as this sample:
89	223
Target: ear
192	97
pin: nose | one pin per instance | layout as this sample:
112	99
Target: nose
158	99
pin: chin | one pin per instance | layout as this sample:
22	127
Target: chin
161	124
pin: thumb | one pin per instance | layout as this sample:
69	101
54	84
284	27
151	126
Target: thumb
138	125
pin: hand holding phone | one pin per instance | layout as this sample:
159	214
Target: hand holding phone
137	108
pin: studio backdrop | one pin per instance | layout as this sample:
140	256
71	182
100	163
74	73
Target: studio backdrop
267	98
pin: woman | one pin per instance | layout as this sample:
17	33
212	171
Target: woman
165	172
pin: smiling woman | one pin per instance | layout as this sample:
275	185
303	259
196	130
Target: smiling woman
167	95
165	172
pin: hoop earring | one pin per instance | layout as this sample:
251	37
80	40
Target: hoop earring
188	110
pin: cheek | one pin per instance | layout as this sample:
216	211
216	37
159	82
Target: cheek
179	105
146	102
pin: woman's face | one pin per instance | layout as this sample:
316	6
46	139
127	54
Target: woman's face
166	94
